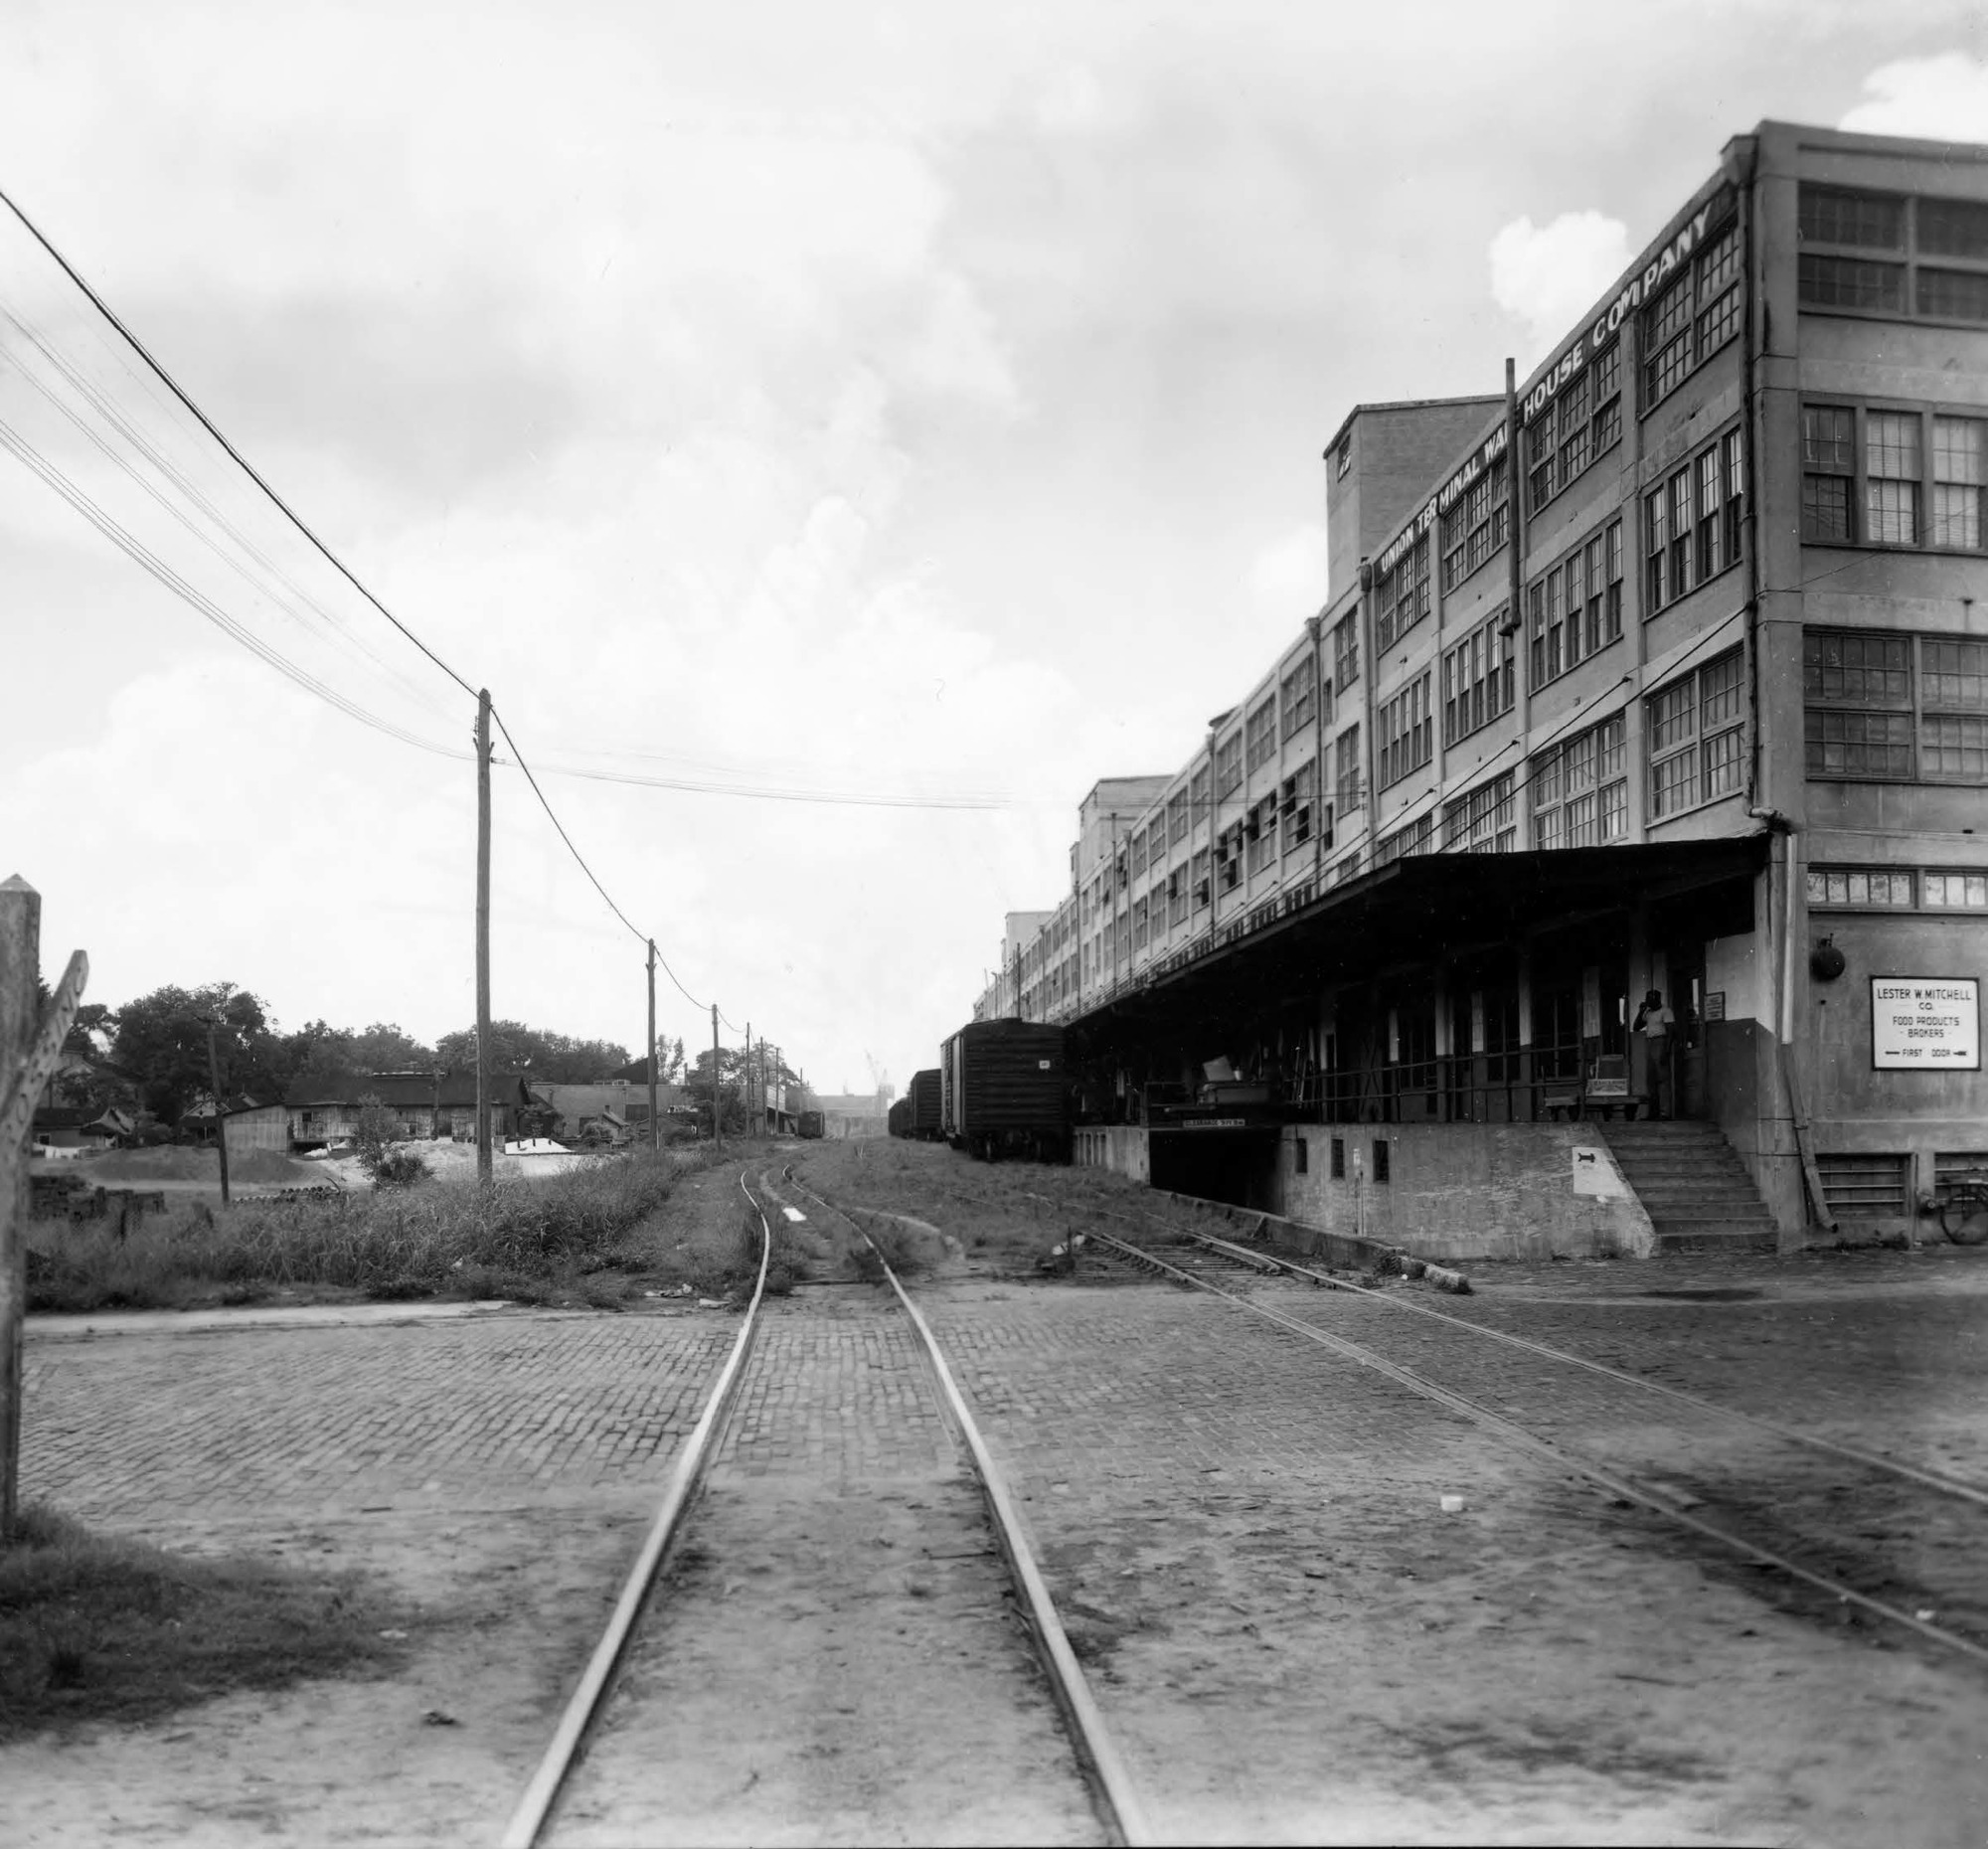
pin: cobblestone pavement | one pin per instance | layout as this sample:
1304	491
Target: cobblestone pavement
1297	1644
832	1655
496	1472
136	1428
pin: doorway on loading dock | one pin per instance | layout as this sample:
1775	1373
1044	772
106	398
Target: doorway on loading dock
1237	1165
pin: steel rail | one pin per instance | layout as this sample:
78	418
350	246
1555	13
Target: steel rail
1929	1479
535	1806
1523	1439
1111	1778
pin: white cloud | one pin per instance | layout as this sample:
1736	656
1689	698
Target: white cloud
1943	97
1547	275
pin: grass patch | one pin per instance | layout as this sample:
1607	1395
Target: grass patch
100	1630
441	1238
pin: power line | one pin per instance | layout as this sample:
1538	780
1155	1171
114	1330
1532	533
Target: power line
207	423
641	936
143	556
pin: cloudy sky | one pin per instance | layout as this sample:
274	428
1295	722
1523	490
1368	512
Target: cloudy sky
921	402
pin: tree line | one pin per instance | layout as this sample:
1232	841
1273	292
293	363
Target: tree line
152	1052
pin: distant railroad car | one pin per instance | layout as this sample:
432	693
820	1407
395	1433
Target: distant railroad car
922	1101
898	1119
811	1123
1001	1090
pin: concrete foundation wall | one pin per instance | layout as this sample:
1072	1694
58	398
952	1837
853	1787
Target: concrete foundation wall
1466	1190
1121	1148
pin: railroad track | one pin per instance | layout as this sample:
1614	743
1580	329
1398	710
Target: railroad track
1113	1800
1897	1543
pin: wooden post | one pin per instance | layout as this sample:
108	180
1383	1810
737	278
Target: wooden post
219	1127
20	966
745	1085
714	1136
485	1158
656	1129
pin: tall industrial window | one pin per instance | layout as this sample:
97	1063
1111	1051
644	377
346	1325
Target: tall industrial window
1486	821
1179	822
1263	732
1959	455
1227	763
1197	797
1137	852
1575	610
1691	522
1156	841
1295	800
1891	470
1867	253
1403	595
1201	878
1829	471
1477	524
1580	788
1229	857
1346	778
1405	735
1697	731
1572	431
1259	835
1696	315
1139	916
1477	680
1178	885
1346	650
1896	708
1416	837
1295	697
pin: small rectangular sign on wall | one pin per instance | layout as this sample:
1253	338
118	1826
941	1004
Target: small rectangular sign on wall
1925	1024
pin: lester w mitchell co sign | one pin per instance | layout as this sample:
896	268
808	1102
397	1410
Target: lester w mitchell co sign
1925	1024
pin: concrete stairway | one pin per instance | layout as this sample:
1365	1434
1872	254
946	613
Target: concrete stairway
1694	1187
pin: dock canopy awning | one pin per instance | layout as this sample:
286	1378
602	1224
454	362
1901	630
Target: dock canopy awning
1430	908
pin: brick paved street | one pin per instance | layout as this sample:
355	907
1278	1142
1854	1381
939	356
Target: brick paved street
1289	1636
496	1471
832	1656
1296	1643
475	1413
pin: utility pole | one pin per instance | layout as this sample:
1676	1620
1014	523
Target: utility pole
656	1129
486	1159
220	1125
20	965
714	1076
746	1082
30	1052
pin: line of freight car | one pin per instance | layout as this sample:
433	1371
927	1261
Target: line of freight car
898	1119
1002	1091
810	1123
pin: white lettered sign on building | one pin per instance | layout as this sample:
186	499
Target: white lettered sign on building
1926	1023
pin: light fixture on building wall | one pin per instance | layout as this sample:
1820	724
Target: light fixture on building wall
1825	961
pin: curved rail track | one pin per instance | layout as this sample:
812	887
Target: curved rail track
1742	1513
1112	1795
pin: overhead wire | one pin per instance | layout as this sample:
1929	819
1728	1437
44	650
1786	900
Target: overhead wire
134	548
157	567
207	423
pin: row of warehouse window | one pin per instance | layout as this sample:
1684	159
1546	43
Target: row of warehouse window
1839	228
1899	889
1892	476
1692	526
1695	738
1895	707
1886	706
1862	1185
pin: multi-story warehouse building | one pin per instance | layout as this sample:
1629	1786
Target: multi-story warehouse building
1665	669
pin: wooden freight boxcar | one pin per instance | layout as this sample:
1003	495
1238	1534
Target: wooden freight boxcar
922	1102
1002	1093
